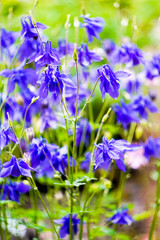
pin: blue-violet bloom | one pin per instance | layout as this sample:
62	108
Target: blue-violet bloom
121	217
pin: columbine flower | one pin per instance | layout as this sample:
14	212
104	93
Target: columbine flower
128	54
20	76
143	103
64	230
46	55
64	49
28	29
133	86
125	113
121	217
13	191
48	82
152	148
110	81
83	132
153	67
112	150
86	57
109	46
6	135
93	26
15	168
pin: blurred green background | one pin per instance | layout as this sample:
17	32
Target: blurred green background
138	19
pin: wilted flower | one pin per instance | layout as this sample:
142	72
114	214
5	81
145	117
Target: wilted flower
86	57
121	217
112	150
65	229
93	26
6	135
110	81
152	148
125	113
46	55
13	190
15	168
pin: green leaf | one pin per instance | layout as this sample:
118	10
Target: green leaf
143	215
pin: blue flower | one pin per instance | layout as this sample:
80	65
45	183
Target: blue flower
86	163
143	103
65	229
48	82
109	46
83	132
93	26
13	191
86	57
28	29
128	54
112	150
152	148
15	168
121	217
46	55
133	86
64	49
125	113
110	81
20	76
153	67
6	135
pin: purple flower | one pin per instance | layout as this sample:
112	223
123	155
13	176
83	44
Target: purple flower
86	163
20	76
28	29
83	132
121	217
48	82
128	54
40	150
13	191
93	26
133	86
64	50
109	46
46	55
6	135
125	113
153	67
110	81
15	168
152	148
86	57
64	230
143	103
48	121
111	150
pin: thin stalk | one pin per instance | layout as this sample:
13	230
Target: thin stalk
52	222
157	207
1	229
90	173
68	146
89	98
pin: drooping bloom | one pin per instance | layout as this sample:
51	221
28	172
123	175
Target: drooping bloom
109	46
6	135
93	26
13	191
133	86
152	148
28	29
128	54
153	67
49	82
121	217
110	81
86	57
112	150
15	168
83	132
64	230
143	103
20	76
64	49
125	113
46	55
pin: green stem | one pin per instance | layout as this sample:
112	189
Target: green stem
52	223
90	173
155	217
1	229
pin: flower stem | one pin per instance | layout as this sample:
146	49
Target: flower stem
36	189
157	207
90	173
